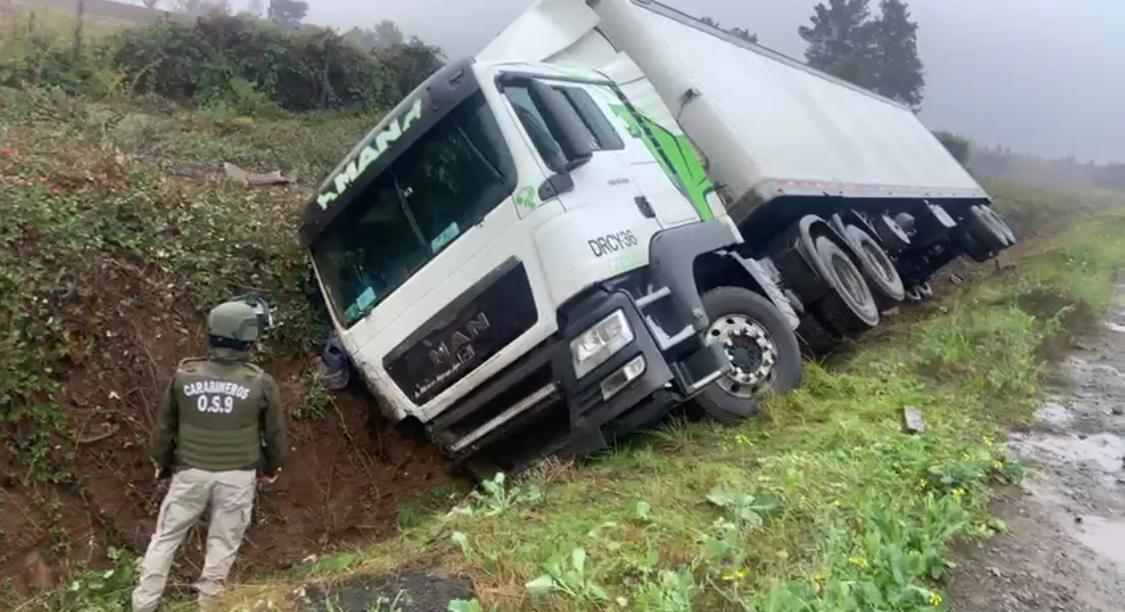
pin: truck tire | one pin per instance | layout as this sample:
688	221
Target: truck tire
849	308
1000	224
987	231
815	338
878	269
761	347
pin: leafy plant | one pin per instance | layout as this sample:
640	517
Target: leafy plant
106	590
746	509
568	574
314	406
666	591
494	498
465	605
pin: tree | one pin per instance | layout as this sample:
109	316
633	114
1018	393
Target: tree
958	146
742	33
150	4
202	8
386	35
360	38
898	68
288	13
878	54
411	63
840	40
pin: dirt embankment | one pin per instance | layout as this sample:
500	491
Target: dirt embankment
1066	546
347	476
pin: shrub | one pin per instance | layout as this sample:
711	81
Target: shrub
37	49
242	63
958	146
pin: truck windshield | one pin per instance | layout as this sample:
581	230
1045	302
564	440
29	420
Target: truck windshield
440	187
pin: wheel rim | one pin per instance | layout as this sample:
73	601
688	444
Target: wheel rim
850	280
883	265
752	352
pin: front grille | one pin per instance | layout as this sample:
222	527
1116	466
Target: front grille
466	333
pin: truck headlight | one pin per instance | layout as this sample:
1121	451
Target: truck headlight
600	342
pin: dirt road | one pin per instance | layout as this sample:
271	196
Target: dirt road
1066	546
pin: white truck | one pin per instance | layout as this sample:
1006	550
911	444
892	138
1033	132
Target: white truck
614	209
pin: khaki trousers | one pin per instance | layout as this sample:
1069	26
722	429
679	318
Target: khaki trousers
231	497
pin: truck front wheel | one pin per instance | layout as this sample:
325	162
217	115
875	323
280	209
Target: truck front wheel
762	350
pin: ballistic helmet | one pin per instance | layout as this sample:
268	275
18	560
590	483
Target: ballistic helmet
233	322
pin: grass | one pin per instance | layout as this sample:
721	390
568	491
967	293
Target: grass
821	504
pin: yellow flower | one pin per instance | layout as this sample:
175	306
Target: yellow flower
988	441
859	562
735	575
820	577
997	464
966	456
958	493
922	483
935	599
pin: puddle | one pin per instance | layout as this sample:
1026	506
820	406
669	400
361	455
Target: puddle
1115	327
1104	536
1105	450
1054	414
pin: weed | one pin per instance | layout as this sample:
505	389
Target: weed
494	498
106	590
568	574
314	406
465	605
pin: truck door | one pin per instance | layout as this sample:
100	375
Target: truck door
634	162
605	181
665	166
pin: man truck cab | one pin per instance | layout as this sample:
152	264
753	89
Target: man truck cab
511	257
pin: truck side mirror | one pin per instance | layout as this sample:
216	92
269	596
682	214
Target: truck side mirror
564	124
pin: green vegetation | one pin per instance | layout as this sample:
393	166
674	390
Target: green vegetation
877	53
958	146
232	65
822	503
99	243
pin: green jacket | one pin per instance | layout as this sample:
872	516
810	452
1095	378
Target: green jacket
218	414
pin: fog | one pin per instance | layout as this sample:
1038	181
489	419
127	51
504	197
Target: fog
1040	76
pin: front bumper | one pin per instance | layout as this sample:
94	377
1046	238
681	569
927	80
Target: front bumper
539	407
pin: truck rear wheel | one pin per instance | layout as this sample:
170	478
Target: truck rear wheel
849	308
878	269
762	349
1000	224
815	338
988	230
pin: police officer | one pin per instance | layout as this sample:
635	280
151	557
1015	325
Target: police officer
218	426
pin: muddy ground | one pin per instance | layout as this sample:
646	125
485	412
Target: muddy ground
1066	547
348	479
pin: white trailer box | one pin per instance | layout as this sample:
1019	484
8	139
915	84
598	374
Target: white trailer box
767	125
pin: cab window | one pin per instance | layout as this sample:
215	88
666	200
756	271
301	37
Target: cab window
603	136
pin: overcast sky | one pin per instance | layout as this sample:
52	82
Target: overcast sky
1041	76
